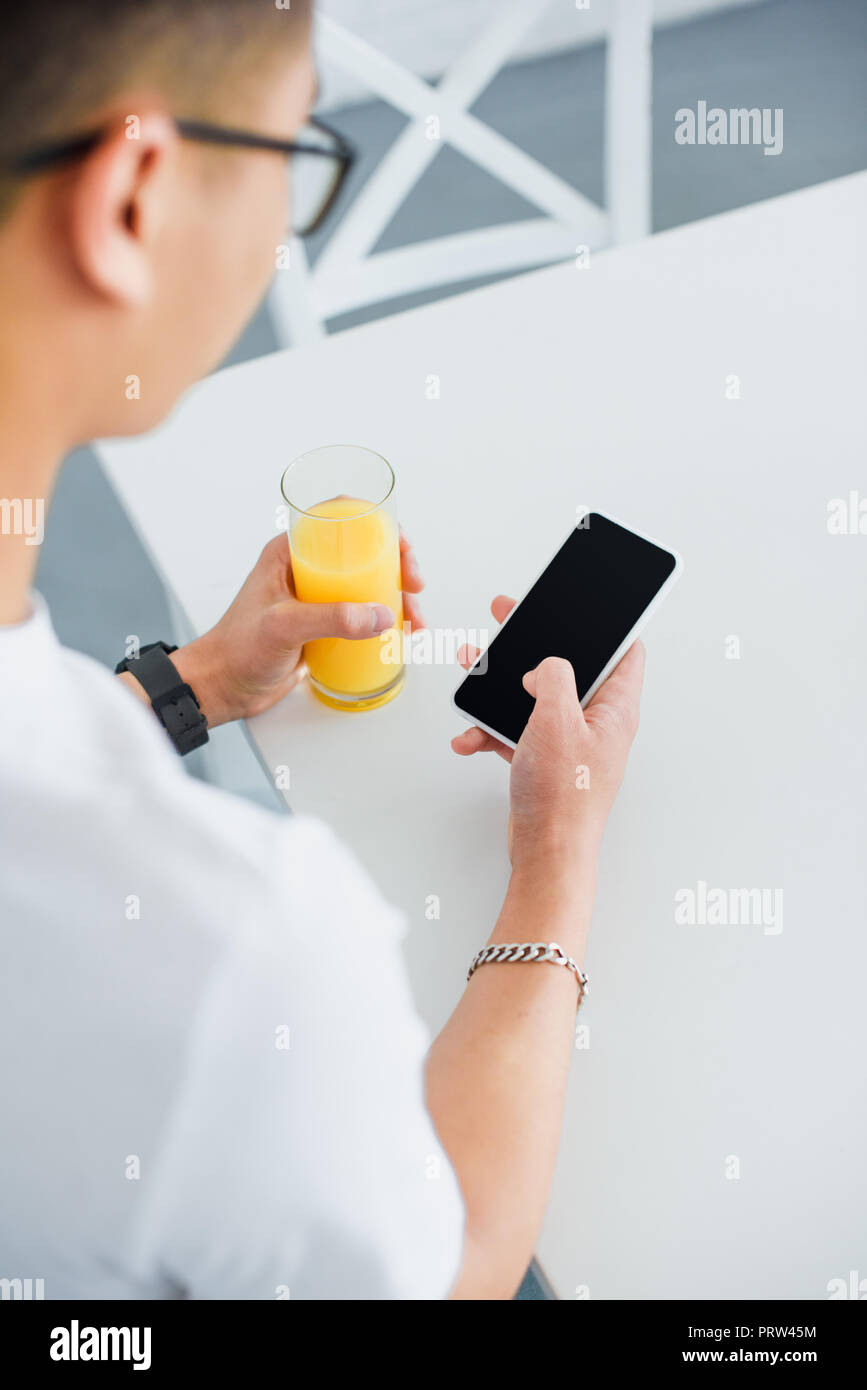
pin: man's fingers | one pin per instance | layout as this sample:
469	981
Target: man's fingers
552	679
412	613
410	574
276	555
478	741
277	548
354	621
501	606
552	685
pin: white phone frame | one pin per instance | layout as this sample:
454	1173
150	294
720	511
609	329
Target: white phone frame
630	637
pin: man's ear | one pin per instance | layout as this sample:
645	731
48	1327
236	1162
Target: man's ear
117	196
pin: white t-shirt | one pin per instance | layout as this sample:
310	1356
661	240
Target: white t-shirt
212	1071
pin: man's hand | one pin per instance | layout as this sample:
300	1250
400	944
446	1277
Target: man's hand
253	656
548	814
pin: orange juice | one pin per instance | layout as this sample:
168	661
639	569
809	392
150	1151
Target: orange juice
346	549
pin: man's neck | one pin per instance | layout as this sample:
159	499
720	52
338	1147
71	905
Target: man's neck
31	450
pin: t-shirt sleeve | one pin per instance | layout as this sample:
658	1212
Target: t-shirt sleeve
299	1159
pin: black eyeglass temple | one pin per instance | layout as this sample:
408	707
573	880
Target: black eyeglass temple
34	160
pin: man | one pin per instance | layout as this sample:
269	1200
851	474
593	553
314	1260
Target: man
214	1082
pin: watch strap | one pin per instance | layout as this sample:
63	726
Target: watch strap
173	700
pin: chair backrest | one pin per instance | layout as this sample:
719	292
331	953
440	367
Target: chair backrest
347	275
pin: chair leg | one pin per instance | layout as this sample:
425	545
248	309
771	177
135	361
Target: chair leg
628	120
291	301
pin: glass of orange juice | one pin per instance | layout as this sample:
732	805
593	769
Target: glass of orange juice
344	543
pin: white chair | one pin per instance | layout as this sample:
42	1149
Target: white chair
347	276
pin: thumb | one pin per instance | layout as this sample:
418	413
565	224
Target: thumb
353	620
552	685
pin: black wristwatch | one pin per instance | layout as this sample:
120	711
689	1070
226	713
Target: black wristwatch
173	700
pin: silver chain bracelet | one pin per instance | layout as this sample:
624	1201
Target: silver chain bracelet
531	951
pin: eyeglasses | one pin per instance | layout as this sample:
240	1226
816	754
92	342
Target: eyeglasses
319	162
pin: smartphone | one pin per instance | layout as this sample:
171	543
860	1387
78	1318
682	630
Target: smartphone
588	605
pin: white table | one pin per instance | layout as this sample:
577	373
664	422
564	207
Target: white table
607	386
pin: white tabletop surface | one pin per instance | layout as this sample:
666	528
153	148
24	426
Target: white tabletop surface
607	386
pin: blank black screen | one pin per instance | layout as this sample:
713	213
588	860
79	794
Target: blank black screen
584	605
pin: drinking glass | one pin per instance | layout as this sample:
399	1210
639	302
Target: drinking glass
344	543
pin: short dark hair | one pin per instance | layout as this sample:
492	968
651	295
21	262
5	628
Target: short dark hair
62	64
